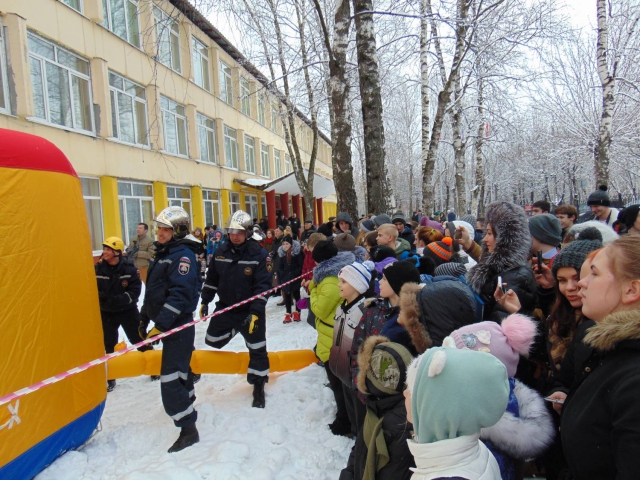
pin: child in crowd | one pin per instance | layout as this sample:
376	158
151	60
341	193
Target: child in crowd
290	267
308	266
451	396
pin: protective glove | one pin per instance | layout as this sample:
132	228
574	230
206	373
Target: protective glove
204	310
154	332
251	320
142	328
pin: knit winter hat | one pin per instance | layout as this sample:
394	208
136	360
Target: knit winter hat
399	217
308	221
427	222
546	228
470	219
469	227
452	269
440	252
324	250
505	341
358	275
288	239
381	219
627	217
344	242
574	254
382	367
399	273
378	253
600	197
456	393
280	227
367	225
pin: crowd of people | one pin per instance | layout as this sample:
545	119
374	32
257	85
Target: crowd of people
454	347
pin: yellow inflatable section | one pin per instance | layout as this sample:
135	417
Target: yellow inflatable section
49	319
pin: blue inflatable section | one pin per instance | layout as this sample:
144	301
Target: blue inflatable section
71	436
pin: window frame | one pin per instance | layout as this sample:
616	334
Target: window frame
249	163
251	202
277	160
115	109
225	78
169	22
177	201
262	112
287	164
4	74
232	203
245	96
233	142
108	20
140	199
265	160
80	4
206	198
99	235
274	120
177	116
43	61
198	58
210	133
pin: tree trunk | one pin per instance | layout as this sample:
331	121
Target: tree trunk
338	89
424	92
477	198
459	150
377	183
607	81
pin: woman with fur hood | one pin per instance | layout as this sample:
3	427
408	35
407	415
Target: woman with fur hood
505	249
290	267
526	429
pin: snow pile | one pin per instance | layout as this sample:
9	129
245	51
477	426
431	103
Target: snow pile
287	440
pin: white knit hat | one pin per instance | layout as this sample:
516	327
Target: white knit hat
358	275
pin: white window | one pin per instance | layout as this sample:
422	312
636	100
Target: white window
5	106
207	139
121	17
274	119
245	91
212	210
287	163
230	147
226	87
93	206
175	126
234	202
128	110
180	197
136	206
262	115
251	205
168	40
264	156
61	85
249	154
76	5
201	64
278	162
263	206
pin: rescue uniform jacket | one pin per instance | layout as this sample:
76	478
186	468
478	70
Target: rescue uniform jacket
143	249
119	286
173	285
237	273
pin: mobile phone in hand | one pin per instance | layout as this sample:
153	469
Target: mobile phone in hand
458	234
554	400
501	286
540	262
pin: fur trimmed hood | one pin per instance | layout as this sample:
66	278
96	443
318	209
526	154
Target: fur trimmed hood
295	249
332	266
613	329
513	243
364	359
409	317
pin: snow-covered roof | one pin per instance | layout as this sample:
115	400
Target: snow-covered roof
322	186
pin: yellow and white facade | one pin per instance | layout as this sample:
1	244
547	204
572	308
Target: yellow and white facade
152	106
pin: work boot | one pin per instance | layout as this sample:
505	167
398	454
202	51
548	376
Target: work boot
155	378
188	436
111	384
196	378
287	318
296	316
258	394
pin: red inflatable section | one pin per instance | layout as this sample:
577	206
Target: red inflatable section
28	152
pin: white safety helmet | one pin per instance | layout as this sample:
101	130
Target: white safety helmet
176	218
240	221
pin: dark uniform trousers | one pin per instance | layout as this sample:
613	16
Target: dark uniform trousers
224	327
129	322
176	378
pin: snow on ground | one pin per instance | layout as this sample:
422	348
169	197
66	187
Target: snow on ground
287	440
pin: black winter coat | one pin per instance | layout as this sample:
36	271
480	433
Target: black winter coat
601	418
408	235
577	362
307	233
119	286
294	223
522	281
288	270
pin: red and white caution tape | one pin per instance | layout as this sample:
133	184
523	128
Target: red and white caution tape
98	361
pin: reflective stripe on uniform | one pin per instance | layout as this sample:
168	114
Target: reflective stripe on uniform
217	339
103	277
166	260
125	276
170	377
173	309
130	299
192	392
182	414
254	346
209	286
248	262
228	260
261	373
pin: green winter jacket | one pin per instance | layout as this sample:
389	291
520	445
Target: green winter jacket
402	246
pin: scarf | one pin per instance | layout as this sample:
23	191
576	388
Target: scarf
377	452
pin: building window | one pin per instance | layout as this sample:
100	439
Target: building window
251	205
201	64
180	197
5	106
76	5
230	147
262	116
211	207
287	163
93	206
136	206
121	17
278	162
245	91
226	87
175	126
128	110
234	202
249	154
263	207
61	85
274	119
168	40
207	139
264	156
